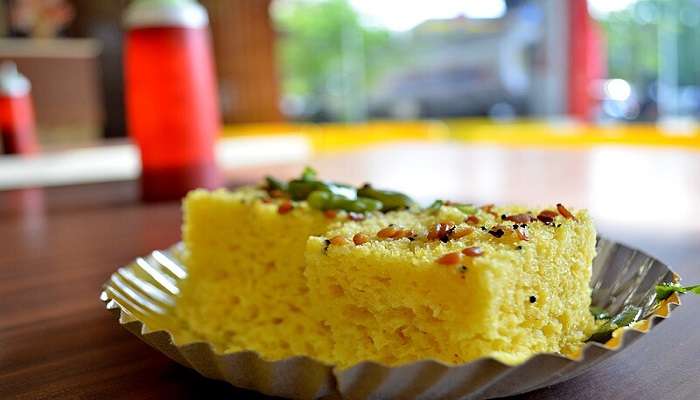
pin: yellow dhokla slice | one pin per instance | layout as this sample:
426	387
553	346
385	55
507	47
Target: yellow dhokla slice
246	289
401	300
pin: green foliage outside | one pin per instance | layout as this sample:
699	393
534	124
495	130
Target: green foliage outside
633	37
314	35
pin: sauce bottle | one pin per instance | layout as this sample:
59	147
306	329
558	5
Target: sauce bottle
17	124
171	97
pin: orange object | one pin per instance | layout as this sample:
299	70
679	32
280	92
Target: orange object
586	60
17	125
172	108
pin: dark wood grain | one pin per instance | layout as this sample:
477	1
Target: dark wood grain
59	245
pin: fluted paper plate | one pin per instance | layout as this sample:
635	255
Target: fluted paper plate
143	293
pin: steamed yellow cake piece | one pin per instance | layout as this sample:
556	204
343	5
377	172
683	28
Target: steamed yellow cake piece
245	288
345	274
445	289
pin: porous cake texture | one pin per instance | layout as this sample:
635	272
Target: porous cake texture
245	288
447	283
401	300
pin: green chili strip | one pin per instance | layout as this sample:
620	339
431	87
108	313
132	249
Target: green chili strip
391	200
468	209
274	184
325	200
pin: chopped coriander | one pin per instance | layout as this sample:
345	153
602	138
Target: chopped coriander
631	313
599	313
664	290
626	317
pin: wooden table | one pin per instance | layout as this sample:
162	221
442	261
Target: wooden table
60	244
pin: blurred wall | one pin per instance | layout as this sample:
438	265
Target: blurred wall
68	107
102	20
244	43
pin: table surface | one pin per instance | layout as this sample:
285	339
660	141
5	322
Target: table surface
60	244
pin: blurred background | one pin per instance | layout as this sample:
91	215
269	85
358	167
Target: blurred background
301	81
295	81
339	61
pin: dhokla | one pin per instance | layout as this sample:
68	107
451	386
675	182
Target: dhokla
453	288
347	274
245	288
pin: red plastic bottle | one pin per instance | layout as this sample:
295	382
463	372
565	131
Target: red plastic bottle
171	98
17	125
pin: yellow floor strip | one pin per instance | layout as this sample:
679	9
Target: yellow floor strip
336	137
